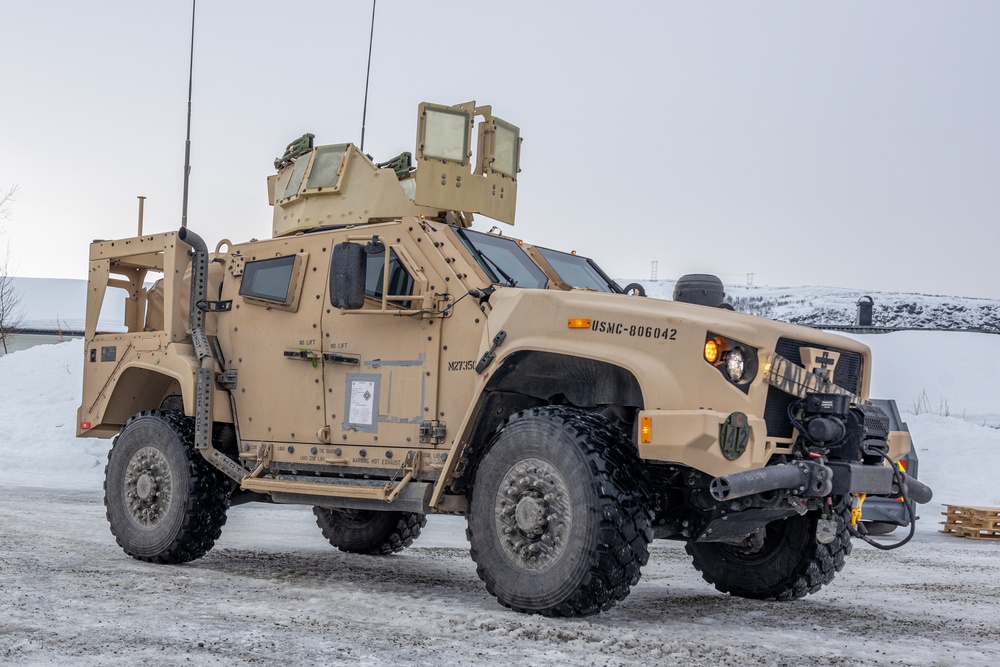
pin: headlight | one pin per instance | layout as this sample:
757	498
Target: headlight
736	361
735	365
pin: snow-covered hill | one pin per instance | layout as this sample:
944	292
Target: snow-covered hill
838	306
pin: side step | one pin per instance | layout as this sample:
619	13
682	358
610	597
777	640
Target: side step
406	496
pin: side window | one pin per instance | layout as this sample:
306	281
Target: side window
274	282
400	281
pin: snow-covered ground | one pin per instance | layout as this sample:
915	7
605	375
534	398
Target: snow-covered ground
273	592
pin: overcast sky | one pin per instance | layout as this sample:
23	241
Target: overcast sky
852	144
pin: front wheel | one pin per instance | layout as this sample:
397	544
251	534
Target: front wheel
785	562
558	521
164	502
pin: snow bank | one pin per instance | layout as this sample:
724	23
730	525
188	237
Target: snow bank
40	391
959	460
949	373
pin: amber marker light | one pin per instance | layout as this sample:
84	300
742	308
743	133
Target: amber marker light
711	350
579	323
646	430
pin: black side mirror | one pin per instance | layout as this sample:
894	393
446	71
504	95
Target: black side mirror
348	269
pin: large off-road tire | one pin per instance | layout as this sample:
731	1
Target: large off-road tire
559	520
369	532
165	502
789	564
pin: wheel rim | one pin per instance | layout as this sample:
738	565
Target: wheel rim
533	514
148	487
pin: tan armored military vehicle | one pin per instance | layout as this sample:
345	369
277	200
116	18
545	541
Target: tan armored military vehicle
379	360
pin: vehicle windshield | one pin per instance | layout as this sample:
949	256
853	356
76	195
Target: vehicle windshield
577	271
503	260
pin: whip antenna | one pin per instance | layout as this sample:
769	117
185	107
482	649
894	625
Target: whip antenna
187	143
364	113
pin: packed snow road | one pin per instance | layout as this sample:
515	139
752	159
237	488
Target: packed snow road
274	592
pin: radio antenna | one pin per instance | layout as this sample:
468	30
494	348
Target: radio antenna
364	113
187	142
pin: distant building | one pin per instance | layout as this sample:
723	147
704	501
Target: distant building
55	311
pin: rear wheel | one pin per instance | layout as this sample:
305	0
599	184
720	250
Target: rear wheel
784	563
558	521
368	531
164	502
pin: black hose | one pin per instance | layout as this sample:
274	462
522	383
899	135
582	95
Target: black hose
900	480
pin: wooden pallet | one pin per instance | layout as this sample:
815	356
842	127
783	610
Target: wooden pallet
976	523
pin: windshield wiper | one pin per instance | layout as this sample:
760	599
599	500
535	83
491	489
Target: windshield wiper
510	281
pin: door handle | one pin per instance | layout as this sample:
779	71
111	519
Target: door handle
304	355
340	359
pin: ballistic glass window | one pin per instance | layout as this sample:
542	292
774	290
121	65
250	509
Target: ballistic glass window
446	134
400	281
505	149
268	279
295	180
577	271
503	260
326	166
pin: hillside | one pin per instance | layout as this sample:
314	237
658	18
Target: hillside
838	306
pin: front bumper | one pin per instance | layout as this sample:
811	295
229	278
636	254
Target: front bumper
692	438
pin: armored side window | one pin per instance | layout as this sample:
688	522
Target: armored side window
295	180
400	282
273	282
325	171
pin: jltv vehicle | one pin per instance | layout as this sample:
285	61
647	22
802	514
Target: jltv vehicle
379	360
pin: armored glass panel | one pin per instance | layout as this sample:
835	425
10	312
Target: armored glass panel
400	281
446	135
326	166
296	179
505	149
268	279
576	271
503	259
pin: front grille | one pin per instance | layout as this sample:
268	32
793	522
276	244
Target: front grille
776	413
846	375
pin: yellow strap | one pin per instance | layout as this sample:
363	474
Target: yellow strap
856	511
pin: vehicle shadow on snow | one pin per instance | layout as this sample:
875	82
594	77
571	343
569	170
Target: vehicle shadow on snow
444	572
447	574
440	583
